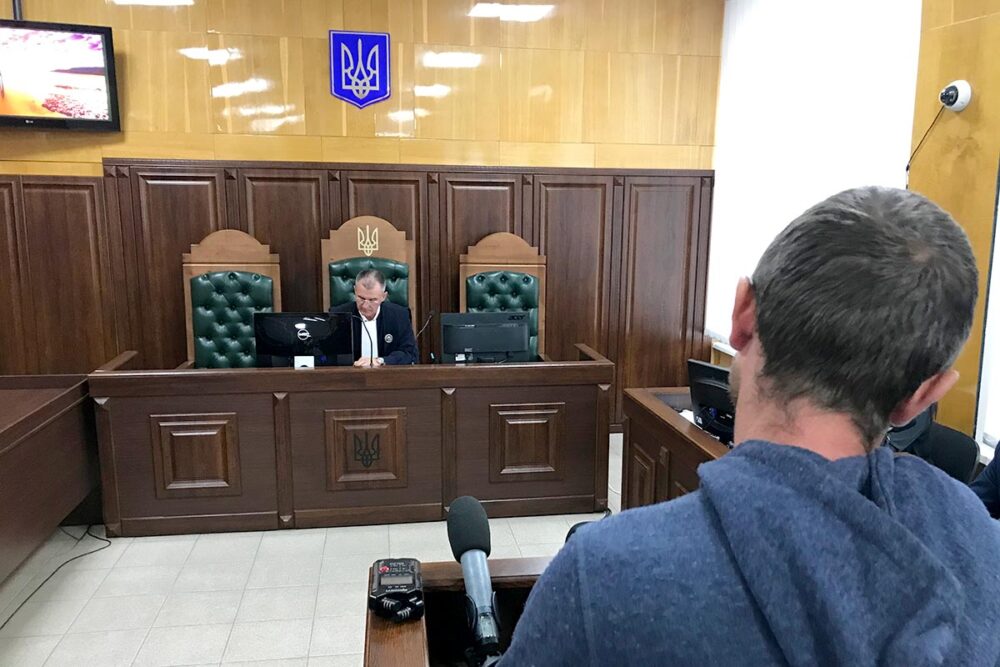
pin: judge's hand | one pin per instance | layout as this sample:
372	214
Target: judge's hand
363	362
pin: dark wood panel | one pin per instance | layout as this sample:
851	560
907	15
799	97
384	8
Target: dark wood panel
132	452
365	449
171	211
48	465
471	207
196	455
18	351
641	476
327	475
289	211
524	441
662	449
660	249
574	443
574	216
69	310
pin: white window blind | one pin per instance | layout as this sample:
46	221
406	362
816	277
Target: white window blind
988	408
814	98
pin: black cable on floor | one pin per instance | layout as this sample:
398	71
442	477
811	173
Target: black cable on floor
86	532
74	537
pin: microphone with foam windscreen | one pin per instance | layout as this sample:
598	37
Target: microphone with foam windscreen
469	536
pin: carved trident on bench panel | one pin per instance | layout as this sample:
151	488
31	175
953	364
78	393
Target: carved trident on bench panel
366	451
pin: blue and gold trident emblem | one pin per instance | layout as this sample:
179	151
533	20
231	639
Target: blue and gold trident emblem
368	240
366	451
359	67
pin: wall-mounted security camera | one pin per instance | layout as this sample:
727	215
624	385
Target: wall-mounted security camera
956	95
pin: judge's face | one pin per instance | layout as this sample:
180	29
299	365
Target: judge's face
369	296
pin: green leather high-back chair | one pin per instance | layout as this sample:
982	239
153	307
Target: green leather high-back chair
228	277
505	291
503	273
222	309
343	272
368	242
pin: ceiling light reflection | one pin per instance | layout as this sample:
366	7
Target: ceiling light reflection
237	88
519	13
436	90
213	56
405	115
155	3
452	59
272	124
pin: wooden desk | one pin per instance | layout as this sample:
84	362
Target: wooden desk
48	459
439	637
251	449
662	450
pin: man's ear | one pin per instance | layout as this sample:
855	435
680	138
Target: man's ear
930	391
744	315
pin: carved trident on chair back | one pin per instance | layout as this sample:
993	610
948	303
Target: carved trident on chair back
368	240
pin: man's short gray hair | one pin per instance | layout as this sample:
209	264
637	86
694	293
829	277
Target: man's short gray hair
370	276
861	299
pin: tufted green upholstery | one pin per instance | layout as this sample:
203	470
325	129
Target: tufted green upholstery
499	291
343	271
222	308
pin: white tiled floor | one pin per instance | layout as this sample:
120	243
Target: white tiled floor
273	598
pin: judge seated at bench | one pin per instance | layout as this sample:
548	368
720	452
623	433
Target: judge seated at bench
378	323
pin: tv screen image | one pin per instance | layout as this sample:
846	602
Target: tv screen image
54	75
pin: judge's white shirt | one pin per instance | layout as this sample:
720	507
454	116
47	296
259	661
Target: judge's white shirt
370	338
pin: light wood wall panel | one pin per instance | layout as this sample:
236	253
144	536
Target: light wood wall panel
957	166
589	78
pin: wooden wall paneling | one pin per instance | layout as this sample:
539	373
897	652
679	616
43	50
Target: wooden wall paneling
109	464
333	198
574	218
289	210
401	197
701	343
172	208
129	309
17	353
615	296
529	225
70	310
430	341
473	205
659	235
283	459
233	193
119	287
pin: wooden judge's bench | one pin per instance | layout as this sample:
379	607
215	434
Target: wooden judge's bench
193	451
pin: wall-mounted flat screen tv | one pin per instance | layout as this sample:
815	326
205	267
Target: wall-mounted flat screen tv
54	75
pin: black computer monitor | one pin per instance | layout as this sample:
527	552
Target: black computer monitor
324	337
710	402
485	337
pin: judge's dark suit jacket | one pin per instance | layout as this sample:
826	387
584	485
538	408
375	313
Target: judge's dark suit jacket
396	343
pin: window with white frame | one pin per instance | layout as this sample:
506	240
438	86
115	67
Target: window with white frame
988	407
